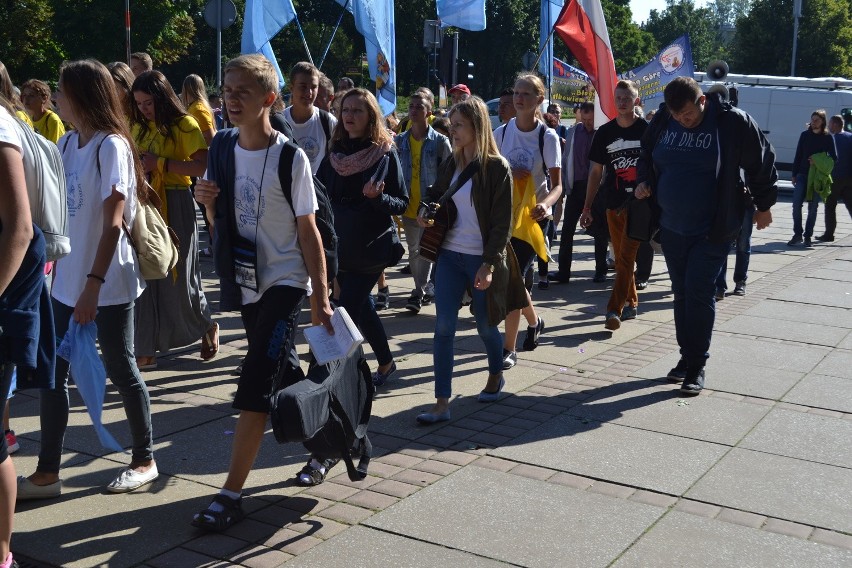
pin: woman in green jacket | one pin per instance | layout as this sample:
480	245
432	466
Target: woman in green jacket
474	254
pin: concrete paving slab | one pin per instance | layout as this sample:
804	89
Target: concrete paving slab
363	546
412	392
798	312
732	376
616	453
833	275
202	454
454	514
832	393
836	364
819	292
846	343
786	488
684	540
648	405
787	356
841	265
804	436
807	333
89	527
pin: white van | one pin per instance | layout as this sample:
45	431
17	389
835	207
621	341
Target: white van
782	106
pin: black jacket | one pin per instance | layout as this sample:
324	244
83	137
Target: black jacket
743	146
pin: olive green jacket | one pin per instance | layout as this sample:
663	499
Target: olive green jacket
492	202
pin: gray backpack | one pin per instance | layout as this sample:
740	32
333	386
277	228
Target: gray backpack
45	179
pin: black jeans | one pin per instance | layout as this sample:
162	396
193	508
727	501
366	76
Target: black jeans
644	262
572	211
355	297
840	189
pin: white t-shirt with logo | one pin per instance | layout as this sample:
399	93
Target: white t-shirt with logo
310	137
87	190
522	151
279	257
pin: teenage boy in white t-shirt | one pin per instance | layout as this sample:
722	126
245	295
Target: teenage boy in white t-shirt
312	126
268	256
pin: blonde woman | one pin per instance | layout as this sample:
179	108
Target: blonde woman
194	99
478	182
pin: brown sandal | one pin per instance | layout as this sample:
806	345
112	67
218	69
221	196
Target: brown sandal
210	343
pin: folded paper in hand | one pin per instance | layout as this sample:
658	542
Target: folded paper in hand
342	344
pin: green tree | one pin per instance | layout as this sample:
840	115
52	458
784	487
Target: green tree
682	17
764	39
631	45
27	43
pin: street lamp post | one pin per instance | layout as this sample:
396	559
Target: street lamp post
797	13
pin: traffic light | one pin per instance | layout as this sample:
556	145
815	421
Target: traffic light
466	72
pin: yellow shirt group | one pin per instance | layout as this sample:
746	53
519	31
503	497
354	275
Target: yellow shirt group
202	116
185	140
49	126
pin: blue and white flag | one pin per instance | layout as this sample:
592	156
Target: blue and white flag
673	61
374	19
263	19
550	10
464	14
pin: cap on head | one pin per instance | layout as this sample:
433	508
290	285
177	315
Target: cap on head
460	88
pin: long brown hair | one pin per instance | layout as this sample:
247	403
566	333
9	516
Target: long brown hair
7	91
475	110
376	130
91	92
167	106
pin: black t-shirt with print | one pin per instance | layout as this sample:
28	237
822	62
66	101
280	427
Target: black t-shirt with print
617	149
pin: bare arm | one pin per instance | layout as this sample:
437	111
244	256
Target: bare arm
17	231
87	304
195	166
553	196
310	242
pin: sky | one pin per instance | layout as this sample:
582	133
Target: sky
641	8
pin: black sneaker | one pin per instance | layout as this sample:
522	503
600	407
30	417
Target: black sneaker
427	299
808	243
382	298
413	304
558	277
679	372
693	383
825	238
720	294
510	359
543	284
533	334
599	277
641	284
739	288
795	241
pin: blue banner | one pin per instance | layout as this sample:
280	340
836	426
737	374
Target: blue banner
550	10
673	61
570	84
374	19
263	19
464	14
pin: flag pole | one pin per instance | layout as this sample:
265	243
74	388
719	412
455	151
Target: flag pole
334	31
541	51
127	28
304	41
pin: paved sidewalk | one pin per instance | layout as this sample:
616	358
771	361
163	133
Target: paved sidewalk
591	458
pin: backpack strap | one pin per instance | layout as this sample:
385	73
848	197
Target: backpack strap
541	132
359	433
325	121
285	171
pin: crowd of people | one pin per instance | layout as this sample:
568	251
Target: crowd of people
125	136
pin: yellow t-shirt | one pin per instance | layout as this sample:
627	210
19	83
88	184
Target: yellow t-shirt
49	126
202	116
25	117
185	140
416	147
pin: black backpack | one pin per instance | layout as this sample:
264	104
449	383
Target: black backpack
328	410
324	215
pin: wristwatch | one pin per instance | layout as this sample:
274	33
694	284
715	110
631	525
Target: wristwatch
490	267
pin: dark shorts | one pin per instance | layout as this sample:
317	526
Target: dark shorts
526	257
270	325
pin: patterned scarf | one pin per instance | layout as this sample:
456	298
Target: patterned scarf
359	161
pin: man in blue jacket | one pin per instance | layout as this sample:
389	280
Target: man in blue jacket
421	150
692	155
841	188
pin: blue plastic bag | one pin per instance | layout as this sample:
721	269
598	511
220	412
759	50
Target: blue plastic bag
89	375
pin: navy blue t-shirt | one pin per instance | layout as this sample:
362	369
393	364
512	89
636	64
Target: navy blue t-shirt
687	161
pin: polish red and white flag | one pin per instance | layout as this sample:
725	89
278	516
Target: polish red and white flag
581	25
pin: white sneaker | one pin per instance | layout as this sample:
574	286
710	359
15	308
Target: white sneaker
130	479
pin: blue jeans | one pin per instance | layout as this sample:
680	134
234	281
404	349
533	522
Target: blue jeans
115	337
355	298
799	192
455	272
693	264
743	249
